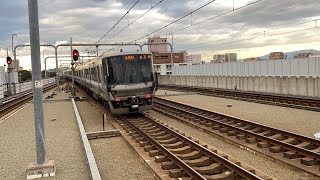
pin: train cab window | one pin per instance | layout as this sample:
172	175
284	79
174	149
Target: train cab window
145	71
115	70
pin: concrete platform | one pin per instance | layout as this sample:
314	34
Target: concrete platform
63	145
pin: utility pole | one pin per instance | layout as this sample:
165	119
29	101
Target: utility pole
41	167
12	42
45	65
72	69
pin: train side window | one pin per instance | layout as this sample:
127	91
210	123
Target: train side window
98	73
93	74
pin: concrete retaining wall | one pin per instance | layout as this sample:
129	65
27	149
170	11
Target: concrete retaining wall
300	86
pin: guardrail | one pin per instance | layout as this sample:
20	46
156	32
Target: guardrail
20	87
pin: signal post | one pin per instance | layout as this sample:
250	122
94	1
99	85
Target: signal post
9	62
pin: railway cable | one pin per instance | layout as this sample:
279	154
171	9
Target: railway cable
252	38
115	24
152	7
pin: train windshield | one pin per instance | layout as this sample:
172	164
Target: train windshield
129	69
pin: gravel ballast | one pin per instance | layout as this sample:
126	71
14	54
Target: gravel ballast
294	120
279	171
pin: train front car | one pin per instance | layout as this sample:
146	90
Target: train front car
130	82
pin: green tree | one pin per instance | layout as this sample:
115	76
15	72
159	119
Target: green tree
25	75
49	74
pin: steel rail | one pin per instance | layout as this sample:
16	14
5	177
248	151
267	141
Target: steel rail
212	155
287	146
216	157
186	168
307	103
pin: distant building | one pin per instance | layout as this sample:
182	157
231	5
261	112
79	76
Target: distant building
166	68
193	58
303	55
161	58
218	58
228	57
252	59
231	57
276	55
155	45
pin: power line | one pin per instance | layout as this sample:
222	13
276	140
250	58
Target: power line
265	35
186	15
262	32
136	19
116	23
214	17
225	13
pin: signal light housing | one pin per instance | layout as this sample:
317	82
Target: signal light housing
75	55
9	60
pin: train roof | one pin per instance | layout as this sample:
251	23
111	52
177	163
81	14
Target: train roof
122	53
87	64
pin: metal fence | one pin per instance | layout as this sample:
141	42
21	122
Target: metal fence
21	87
306	67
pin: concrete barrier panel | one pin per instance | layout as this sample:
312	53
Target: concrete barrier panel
212	78
285	85
263	84
311	90
270	84
277	82
292	86
256	81
250	83
302	86
318	87
207	81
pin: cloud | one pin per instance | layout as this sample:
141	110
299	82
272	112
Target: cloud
88	20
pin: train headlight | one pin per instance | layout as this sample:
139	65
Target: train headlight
113	92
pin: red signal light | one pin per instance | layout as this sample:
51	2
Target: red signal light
9	60
75	55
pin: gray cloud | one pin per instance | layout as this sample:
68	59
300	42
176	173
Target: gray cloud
88	20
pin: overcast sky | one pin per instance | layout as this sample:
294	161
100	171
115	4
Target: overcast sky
255	30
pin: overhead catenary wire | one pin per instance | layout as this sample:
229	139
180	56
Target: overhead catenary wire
182	17
152	7
262	32
227	12
116	23
252	38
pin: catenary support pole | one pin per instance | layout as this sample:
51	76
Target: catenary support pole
72	68
57	70
37	80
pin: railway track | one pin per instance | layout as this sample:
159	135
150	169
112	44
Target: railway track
7	105
306	103
293	149
181	156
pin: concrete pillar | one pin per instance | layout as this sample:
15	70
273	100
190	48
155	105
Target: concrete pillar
263	84
270	84
285	85
311	86
277	85
256	81
302	86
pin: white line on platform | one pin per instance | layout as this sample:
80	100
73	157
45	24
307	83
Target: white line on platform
90	158
13	113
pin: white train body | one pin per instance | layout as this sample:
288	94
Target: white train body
124	81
